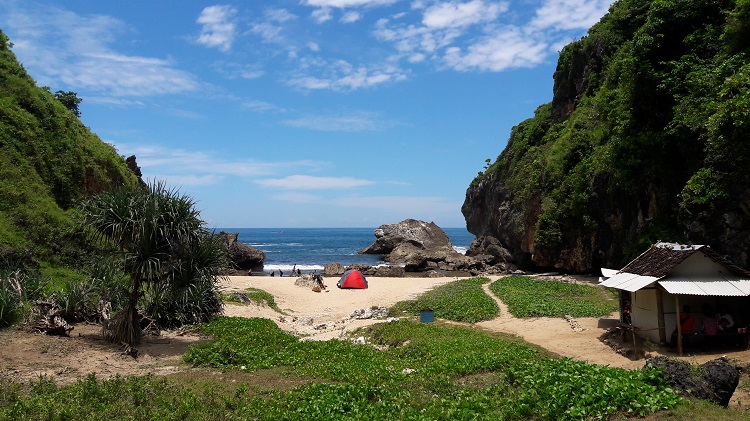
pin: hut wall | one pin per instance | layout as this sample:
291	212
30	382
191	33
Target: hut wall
644	314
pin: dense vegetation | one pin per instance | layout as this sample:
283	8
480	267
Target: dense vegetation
48	162
78	229
529	297
646	139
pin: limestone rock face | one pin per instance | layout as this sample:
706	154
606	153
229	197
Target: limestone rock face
243	257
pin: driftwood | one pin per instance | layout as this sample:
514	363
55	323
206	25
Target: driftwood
46	317
129	350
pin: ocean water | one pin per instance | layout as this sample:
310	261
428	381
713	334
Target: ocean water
310	249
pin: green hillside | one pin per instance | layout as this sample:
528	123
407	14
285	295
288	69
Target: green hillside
49	161
647	138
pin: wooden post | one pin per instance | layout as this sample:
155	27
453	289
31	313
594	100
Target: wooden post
660	315
679	325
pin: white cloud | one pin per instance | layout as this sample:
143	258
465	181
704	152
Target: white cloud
453	14
190	167
355	122
570	14
350	17
308	182
74	51
343	4
114	101
497	52
313	46
269	32
280	15
218	28
321	15
340	75
261	106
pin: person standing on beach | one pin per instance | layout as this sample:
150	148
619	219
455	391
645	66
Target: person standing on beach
281	273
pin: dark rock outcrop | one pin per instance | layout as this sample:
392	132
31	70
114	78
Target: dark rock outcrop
136	169
243	257
418	245
714	381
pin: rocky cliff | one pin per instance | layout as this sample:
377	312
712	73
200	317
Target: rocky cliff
645	139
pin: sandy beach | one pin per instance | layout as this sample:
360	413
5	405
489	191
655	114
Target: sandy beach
307	312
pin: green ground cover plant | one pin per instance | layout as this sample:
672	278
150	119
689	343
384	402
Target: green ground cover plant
255	295
427	371
529	297
461	301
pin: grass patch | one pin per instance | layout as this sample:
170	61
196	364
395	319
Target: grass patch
461	301
255	295
529	297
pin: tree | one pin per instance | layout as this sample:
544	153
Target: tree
162	243
70	100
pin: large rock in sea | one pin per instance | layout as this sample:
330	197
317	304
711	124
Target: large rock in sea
714	381
243	257
414	243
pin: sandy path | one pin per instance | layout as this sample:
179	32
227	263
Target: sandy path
578	339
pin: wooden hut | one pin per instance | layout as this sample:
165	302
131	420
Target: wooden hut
666	276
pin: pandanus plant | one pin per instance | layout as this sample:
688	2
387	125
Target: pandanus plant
162	244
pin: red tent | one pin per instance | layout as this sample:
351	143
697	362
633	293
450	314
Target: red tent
352	279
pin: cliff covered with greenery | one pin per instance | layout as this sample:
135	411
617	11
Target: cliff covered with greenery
49	161
647	138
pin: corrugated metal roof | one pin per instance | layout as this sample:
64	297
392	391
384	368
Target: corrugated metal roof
628	281
702	286
608	273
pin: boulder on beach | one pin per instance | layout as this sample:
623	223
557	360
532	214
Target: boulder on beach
417	244
243	258
333	269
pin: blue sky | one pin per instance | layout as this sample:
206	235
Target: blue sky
304	113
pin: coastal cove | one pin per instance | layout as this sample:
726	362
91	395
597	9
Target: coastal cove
310	249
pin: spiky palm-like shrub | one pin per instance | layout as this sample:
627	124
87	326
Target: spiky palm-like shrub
157	232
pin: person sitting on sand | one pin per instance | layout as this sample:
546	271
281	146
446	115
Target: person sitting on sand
318	278
273	273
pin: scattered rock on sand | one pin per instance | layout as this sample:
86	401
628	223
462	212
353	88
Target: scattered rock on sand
373	312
